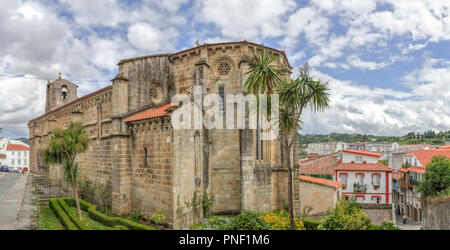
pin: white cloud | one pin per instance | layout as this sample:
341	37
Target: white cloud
362	109
355	61
251	19
149	38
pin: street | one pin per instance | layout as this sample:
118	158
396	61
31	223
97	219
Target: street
7	180
12	187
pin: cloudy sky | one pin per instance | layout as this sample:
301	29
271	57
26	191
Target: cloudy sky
387	62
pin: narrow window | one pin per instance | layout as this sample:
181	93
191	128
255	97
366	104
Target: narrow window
358	159
262	145
145	157
222	98
376	180
344	179
360	178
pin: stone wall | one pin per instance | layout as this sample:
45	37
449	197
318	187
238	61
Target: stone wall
319	197
436	215
379	213
151	167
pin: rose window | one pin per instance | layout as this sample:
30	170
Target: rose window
155	93
223	68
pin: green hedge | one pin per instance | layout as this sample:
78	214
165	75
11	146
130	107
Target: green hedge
105	219
311	224
62	216
79	223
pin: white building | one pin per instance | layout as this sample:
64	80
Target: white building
17	154
365	179
325	148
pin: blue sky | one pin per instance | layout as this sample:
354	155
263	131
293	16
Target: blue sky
387	62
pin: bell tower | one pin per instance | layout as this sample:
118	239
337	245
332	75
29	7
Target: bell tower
59	93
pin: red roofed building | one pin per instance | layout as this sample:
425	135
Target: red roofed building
364	178
409	202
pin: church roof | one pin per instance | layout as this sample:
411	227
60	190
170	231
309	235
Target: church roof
282	52
151	113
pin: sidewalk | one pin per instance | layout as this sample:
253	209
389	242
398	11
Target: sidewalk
11	209
410	224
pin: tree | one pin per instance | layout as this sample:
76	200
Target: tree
346	216
64	146
296	96
263	76
436	180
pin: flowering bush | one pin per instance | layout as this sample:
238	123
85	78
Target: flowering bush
279	220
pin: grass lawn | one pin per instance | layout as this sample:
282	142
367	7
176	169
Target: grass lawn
49	220
90	222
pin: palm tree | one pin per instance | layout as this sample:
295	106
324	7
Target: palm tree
63	148
263	76
295	97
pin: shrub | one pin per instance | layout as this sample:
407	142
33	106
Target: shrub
436	181
248	220
311	224
120	227
159	217
62	216
385	226
105	219
346	216
214	223
79	223
279	220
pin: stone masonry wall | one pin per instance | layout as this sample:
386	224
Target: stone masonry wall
436	215
151	167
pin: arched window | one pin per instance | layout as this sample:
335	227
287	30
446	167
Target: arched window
64	92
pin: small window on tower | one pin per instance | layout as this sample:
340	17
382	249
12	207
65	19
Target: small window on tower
64	92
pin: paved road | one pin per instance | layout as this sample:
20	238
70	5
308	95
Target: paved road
7	180
12	188
410	224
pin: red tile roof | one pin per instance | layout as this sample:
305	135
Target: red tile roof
403	170
417	169
367	167
17	147
361	152
324	165
425	156
151	113
396	176
329	183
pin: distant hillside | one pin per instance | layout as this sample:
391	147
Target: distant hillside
428	137
23	139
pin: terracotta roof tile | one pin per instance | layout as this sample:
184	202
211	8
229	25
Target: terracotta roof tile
425	156
329	183
403	170
417	169
361	152
151	113
324	165
364	167
396	176
17	147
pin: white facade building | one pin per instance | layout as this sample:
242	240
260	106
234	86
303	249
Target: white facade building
17	154
365	179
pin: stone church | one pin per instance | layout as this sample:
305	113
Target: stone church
152	167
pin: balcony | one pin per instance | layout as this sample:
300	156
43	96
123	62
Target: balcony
405	185
413	182
358	188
